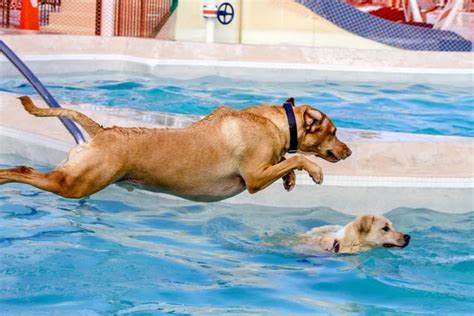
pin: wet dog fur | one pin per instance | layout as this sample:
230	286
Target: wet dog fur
220	156
366	232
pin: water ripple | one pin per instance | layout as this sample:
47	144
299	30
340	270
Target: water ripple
411	108
140	253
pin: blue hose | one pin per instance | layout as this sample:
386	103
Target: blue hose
41	89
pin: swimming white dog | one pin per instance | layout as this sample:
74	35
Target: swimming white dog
366	232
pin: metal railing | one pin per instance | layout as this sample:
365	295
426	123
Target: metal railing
41	89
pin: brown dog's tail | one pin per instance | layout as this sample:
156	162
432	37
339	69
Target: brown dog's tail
90	126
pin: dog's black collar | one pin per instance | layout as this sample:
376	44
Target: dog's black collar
293	130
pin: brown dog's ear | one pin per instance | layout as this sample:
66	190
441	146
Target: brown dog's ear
291	101
364	223
312	120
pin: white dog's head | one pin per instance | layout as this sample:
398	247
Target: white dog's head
369	232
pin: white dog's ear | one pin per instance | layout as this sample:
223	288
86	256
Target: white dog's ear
364	223
312	120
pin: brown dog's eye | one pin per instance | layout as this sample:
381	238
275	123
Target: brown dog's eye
386	229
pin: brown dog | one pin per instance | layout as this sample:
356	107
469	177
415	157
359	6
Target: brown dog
364	233
215	158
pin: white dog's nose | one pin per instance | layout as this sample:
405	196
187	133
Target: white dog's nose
407	239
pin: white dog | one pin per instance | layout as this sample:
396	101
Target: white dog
364	233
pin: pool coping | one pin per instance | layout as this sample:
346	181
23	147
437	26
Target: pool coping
245	70
247	64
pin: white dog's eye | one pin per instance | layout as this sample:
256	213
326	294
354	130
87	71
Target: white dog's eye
386	229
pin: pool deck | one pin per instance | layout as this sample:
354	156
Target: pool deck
385	170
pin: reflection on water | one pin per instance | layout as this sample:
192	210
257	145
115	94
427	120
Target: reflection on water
121	252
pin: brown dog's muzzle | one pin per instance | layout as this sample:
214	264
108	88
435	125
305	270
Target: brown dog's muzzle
338	152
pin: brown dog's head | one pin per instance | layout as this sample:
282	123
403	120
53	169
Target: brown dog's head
318	135
376	231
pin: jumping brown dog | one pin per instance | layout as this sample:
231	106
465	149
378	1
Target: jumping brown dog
216	158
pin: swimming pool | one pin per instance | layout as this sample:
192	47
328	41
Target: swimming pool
119	253
398	107
125	253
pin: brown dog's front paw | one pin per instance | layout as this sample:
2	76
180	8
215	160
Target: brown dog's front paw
289	181
316	173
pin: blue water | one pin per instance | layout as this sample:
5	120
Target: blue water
412	108
136	253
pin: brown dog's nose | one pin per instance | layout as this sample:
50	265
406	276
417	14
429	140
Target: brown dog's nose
348	152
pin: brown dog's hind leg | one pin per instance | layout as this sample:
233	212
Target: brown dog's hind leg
87	169
56	181
70	180
49	181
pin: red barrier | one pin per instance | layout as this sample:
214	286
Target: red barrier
29	19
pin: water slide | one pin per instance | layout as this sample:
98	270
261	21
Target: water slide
385	31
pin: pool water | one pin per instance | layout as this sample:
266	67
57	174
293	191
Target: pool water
138	253
411	108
